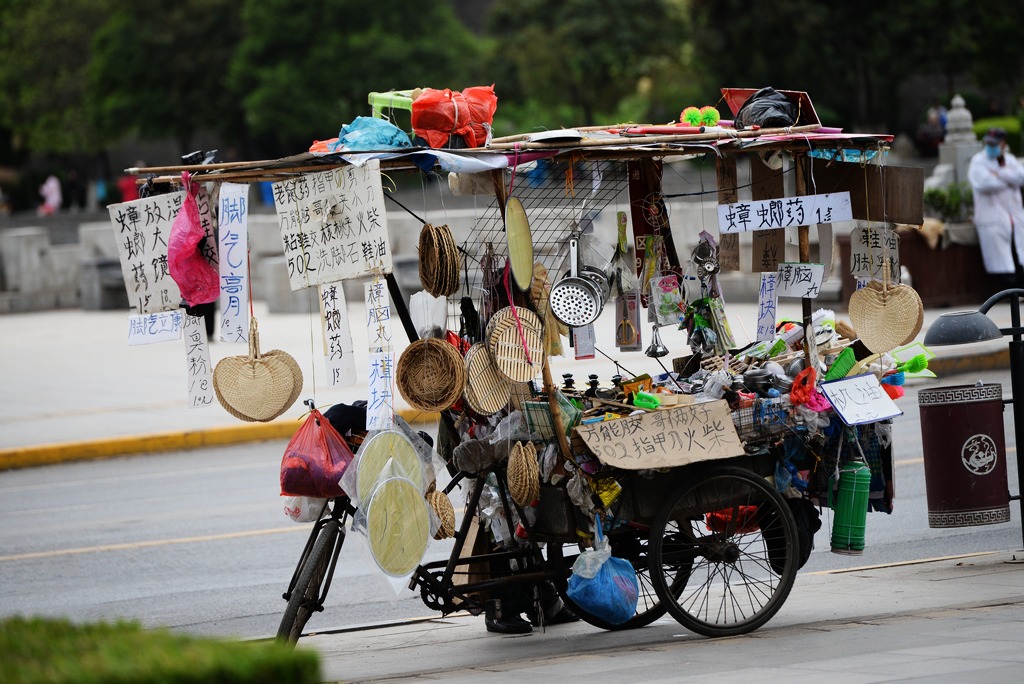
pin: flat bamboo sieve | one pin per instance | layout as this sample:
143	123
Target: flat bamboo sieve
515	338
487	390
438	261
430	374
520	243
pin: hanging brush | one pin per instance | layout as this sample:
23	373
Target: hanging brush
915	364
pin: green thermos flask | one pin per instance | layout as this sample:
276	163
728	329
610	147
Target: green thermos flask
850	513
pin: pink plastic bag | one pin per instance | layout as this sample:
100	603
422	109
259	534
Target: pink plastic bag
196	277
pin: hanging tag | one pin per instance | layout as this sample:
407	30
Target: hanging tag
767	305
870	248
799	280
197	360
155	327
208	221
378	315
141	228
583	339
380	406
338	352
234	262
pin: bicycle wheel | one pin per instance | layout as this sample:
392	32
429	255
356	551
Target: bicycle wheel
630	544
732	540
305	596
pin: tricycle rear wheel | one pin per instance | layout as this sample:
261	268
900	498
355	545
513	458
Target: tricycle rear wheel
731	539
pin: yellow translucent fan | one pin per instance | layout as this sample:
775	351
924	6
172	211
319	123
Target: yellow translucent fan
374	455
397	526
520	243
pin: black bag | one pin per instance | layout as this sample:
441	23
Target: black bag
767	108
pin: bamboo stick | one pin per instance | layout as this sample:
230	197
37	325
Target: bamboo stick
646	140
581	129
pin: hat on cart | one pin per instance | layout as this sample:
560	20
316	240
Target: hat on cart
994	136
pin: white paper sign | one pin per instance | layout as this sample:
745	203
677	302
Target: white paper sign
860	399
870	248
767	305
234	262
197	363
141	229
333	225
380	405
583	339
378	315
338	352
806	210
164	326
799	280
208	220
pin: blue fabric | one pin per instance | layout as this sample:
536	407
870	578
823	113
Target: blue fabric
370	133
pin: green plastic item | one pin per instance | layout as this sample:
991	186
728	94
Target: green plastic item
842	365
646	400
393	99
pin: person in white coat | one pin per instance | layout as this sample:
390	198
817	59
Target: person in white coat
996	178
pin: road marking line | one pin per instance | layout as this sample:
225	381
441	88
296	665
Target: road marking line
901	563
148	544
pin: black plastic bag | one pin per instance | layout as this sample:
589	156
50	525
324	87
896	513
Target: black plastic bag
767	108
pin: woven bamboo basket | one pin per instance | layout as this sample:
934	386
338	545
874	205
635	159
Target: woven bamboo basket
439	261
487	390
443	509
523	474
515	339
430	375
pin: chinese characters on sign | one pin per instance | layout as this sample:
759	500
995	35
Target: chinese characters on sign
338	352
662	439
141	228
333	225
583	339
164	326
870	249
860	399
208	246
744	217
767	305
380	410
197	362
234	262
799	280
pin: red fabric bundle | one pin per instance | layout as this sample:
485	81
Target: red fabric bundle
314	460
439	114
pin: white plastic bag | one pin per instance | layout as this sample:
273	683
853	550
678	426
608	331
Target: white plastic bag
303	509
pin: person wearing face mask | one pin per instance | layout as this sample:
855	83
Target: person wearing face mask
996	178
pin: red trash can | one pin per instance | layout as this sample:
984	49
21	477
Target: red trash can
964	455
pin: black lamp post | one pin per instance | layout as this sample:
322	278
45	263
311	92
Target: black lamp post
965	327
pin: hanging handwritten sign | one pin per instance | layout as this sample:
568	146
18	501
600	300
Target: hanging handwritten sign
380	408
333	225
234	262
197	363
860	399
799	280
767	305
208	220
744	217
338	351
378	315
662	439
141	228
153	328
870	248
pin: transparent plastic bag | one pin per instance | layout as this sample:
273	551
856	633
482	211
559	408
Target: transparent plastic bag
604	586
315	460
304	509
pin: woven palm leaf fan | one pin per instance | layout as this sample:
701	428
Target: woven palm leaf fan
258	387
886	317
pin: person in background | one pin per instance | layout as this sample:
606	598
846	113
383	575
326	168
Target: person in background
996	178
52	197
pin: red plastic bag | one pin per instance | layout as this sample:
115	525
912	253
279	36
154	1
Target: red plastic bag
314	460
439	114
196	277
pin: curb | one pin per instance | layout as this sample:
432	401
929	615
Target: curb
89	450
953	365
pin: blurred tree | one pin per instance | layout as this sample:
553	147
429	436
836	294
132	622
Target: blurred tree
588	54
158	70
304	69
44	53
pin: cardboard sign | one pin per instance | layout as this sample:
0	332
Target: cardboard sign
153	328
665	438
234	262
799	280
338	349
767	306
141	229
870	248
197	363
333	225
860	399
807	210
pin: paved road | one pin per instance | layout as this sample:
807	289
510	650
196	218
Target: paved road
197	540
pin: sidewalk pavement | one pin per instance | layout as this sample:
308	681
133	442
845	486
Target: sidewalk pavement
949	620
74	389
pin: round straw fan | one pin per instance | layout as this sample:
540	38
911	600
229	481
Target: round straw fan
520	243
397	526
515	338
885	317
377	451
487	391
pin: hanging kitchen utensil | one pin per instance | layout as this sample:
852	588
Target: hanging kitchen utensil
575	300
520	243
515	338
656	349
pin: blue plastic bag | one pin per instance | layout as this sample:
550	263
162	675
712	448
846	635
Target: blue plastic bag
604	586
